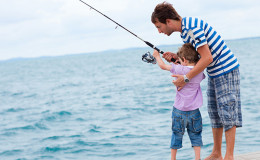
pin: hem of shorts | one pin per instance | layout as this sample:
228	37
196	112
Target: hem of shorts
229	127
216	126
197	145
177	147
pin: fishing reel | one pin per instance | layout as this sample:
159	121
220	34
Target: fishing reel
149	58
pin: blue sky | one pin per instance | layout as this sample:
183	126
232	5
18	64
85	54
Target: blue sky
33	28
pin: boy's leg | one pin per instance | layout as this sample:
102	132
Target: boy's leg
197	152
194	129
173	154
177	129
230	141
217	138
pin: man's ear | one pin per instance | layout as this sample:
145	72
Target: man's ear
168	21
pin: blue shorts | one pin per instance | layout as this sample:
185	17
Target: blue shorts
224	104
186	119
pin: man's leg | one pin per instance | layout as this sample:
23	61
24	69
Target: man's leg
230	141
216	152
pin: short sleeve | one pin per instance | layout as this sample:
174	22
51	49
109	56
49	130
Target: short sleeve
198	37
173	69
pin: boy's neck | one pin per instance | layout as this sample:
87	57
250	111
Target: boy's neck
190	64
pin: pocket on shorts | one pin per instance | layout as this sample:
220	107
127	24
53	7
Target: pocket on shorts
227	103
177	125
197	124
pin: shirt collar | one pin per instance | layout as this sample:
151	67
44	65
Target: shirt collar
183	29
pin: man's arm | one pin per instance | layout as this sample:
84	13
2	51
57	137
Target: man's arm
205	59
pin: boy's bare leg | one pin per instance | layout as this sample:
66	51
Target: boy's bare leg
173	154
197	152
216	152
230	141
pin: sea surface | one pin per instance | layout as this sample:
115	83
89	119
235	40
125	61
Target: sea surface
109	106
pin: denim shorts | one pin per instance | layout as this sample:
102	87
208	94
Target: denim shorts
186	119
224	104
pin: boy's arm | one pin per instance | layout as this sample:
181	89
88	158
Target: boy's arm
160	62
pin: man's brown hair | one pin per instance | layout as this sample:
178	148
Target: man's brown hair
164	11
188	52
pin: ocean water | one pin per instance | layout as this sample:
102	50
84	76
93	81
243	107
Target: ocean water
109	106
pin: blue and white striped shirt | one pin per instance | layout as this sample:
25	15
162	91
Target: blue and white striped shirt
198	33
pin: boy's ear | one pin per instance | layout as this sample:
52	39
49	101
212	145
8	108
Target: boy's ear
185	60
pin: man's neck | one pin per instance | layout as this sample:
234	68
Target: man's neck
180	25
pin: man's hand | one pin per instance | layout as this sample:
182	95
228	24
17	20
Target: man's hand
179	82
169	55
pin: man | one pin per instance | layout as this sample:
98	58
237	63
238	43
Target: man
224	105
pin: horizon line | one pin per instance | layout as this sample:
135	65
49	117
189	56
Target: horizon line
108	50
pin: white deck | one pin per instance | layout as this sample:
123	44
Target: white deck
248	156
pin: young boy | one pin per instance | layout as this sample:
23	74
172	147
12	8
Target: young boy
185	112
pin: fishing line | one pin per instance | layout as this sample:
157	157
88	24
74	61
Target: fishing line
147	57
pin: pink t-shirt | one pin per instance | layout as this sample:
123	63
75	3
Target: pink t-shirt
190	96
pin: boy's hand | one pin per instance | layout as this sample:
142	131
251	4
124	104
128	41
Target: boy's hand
156	54
169	55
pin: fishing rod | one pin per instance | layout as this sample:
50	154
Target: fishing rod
147	57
